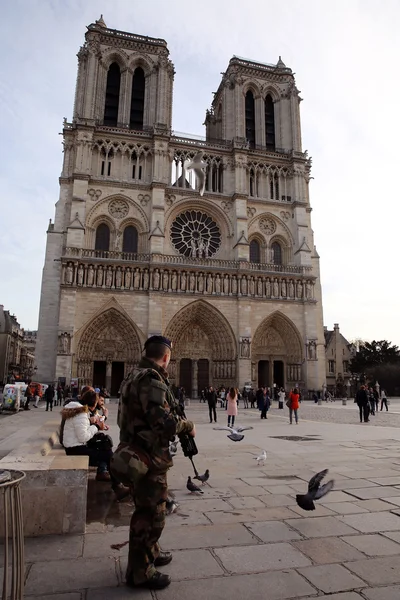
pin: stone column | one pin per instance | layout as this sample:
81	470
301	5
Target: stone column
195	370
108	374
271	372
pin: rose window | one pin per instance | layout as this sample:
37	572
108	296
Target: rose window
195	234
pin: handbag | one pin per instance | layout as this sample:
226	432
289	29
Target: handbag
100	441
289	403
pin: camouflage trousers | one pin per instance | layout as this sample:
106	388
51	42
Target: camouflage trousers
147	523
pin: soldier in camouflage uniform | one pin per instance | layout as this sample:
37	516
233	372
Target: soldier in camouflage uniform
148	417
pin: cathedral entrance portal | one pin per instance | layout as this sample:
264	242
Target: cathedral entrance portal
204	348
99	373
263	373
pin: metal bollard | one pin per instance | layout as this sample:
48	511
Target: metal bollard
10	496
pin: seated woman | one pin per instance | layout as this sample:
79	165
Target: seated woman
76	431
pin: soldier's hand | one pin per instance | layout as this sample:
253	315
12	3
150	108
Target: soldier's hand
193	432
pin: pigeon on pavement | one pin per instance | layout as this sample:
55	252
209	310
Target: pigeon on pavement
262	458
203	478
173	448
199	167
192	487
315	491
235	433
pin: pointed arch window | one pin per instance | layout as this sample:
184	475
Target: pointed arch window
112	95
130	239
102	238
137	100
254	251
276	253
269	123
250	115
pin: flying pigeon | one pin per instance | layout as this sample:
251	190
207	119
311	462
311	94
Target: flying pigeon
315	491
198	166
203	478
262	458
192	487
235	434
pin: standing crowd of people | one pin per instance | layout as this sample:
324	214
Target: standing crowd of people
368	400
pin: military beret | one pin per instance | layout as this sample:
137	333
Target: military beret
158	339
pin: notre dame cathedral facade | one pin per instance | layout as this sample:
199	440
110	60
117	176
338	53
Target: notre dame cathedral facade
231	276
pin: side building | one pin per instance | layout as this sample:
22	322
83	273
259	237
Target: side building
339	353
231	275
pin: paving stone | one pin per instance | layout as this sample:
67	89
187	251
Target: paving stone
206	505
344	508
273	585
99	544
255	559
248	490
384	593
329	550
70	575
320	511
238	515
373	492
352	484
393	500
53	547
373	545
375	505
279	489
73	596
320	526
272	500
118	593
377	571
392	535
343	596
186	517
273	531
206	536
331	578
189	564
371	523
246	502
386	480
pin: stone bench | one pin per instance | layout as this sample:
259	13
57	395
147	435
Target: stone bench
54	492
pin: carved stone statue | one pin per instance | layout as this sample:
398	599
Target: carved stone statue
291	289
192	282
245	348
65	343
200	282
136	279
268	288
109	277
259	287
146	279
252	286
299	289
80	275
183	281
156	279
118	277
309	294
206	248
226	285
312	350
100	276
217	284
194	247
209	284
276	288
118	235
283	288
90	276
234	287
201	245
165	281
69	274
174	281
243	286
128	278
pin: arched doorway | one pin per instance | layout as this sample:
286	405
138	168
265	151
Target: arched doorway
204	348
108	348
277	353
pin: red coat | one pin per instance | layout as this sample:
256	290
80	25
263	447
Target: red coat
294	399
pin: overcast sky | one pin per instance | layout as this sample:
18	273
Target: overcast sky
346	58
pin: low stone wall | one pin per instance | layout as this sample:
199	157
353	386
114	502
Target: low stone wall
54	492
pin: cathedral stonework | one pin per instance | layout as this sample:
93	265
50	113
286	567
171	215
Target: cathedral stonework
207	241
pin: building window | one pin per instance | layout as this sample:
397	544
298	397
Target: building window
252	183
112	95
274	186
250	114
331	366
254	251
276	253
345	366
137	100
269	123
130	239
102	238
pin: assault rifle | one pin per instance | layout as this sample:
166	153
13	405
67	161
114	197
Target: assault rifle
187	442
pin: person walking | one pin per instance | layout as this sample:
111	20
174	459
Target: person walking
376	399
37	397
371	400
294	404
245	395
28	397
384	399
49	397
149	419
362	401
252	398
281	396
232	407
264	402
212	404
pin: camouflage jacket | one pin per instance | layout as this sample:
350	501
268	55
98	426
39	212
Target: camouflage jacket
148	414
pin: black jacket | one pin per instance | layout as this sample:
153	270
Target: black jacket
212	398
362	397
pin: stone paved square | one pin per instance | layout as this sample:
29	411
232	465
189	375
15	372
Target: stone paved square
254	559
331	578
384	593
377	571
344	508
320	526
246	502
205	536
328	550
272	531
373	492
373	545
373	522
119	593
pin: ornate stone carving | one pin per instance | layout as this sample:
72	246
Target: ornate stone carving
69	274
118	277
128	278
226	205
94	194
144	199
312	350
79	275
109	277
118	208
245	347
194	234
251	211
285	215
156	279
64	343
169	199
90	276
267	225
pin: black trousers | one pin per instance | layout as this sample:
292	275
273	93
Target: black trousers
384	402
212	412
264	413
364	412
97	458
49	403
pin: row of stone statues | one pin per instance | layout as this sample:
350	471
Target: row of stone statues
127	278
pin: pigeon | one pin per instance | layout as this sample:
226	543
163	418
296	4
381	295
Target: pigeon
203	478
315	491
192	487
171	506
262	458
198	166
173	448
235	434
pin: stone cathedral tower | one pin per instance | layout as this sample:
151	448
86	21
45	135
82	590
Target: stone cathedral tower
232	276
